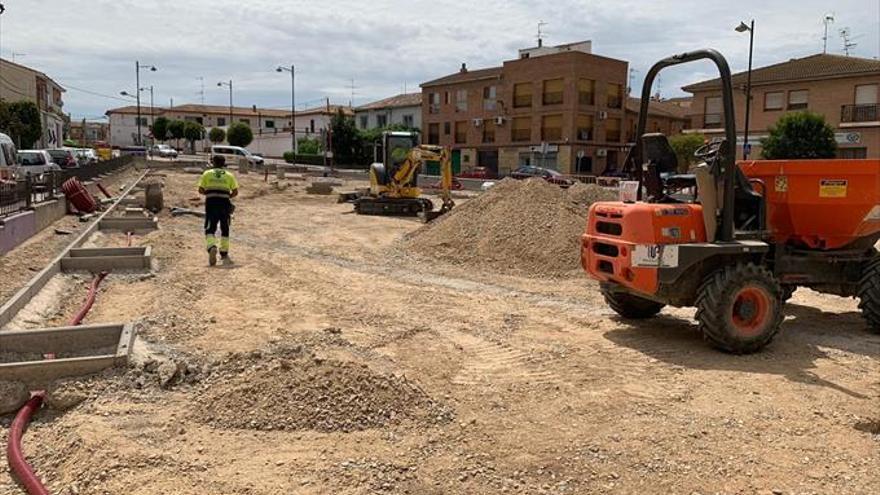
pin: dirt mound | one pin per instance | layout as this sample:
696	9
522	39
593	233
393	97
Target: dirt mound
527	227
305	392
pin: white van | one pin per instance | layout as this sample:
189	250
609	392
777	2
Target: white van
233	153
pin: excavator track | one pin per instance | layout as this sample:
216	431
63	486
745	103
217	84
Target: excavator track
392	206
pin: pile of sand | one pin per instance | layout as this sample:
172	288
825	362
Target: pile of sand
309	393
526	227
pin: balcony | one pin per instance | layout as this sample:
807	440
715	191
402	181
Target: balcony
859	113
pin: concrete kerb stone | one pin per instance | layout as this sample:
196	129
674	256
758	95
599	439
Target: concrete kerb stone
97	260
26	293
137	225
89	349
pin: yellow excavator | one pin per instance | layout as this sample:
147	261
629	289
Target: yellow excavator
394	181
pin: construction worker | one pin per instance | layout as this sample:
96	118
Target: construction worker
218	186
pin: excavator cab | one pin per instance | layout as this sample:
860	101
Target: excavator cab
395	149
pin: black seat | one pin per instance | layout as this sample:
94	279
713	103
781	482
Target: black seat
659	152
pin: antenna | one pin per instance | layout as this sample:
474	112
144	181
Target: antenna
848	43
828	19
352	87
541	33
632	77
201	93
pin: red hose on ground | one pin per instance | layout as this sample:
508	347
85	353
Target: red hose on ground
90	300
76	193
103	190
23	471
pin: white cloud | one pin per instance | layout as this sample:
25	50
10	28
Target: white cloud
385	44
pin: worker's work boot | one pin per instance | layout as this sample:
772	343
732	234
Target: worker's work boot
212	255
227	261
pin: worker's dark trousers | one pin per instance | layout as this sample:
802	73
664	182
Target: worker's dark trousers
217	210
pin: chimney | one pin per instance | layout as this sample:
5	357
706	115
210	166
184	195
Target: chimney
463	68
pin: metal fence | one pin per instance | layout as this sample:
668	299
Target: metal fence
24	192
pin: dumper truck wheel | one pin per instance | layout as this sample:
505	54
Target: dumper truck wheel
630	306
869	294
739	308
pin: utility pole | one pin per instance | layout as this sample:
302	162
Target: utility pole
221	84
137	78
292	69
201	93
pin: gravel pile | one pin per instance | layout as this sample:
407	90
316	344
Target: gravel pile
305	392
526	227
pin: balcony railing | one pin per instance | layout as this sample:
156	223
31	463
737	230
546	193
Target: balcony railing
708	121
859	113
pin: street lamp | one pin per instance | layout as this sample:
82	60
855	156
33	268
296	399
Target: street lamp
281	68
137	78
743	27
220	85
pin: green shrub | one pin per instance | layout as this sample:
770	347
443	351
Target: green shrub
239	134
799	135
217	135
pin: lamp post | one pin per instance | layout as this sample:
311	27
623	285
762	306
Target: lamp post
137	79
280	68
220	85
743	27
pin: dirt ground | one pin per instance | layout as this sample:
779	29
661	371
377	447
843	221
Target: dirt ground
329	360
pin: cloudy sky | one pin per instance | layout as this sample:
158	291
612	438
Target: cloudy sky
90	46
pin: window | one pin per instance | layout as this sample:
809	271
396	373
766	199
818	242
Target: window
142	120
446	98
312	125
446	128
433	103
774	100
612	130
245	121
551	128
866	94
270	124
461	100
381	121
797	100
489	97
408	121
553	91
488	131
461	132
712	113
586	91
364	120
221	121
433	133
584	127
521	129
522	95
615	96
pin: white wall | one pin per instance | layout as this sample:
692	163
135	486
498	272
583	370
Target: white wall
393	116
123	129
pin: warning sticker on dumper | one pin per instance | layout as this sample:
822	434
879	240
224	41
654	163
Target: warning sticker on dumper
832	188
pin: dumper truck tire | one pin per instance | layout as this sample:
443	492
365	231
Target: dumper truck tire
739	308
869	294
630	306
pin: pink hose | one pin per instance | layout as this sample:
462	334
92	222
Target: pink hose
90	300
23	471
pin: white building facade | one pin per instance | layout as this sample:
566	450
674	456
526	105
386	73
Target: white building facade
403	109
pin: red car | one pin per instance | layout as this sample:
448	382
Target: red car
64	158
550	175
476	173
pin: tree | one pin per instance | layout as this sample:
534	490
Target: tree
239	134
193	131
160	128
684	146
21	120
176	129
347	143
800	135
308	146
217	135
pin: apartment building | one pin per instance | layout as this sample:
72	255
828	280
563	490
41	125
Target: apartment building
669	117
403	109
271	127
21	83
86	133
843	89
559	107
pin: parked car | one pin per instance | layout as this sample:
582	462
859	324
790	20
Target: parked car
85	156
477	173
8	158
36	163
233	153
64	158
550	175
163	150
